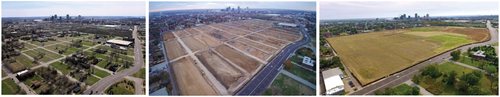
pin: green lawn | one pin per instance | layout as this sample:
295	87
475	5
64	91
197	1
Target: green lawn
4	73
61	67
91	80
302	73
436	87
10	88
140	74
284	85
120	69
29	81
402	89
296	59
29	46
450	41
102	64
100	73
24	60
47	57
469	61
122	88
494	44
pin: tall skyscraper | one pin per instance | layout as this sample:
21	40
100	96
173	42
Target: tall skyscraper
67	16
416	17
427	15
239	9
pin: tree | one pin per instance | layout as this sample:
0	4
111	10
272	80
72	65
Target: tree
463	86
416	90
475	90
416	78
470	78
491	69
450	79
388	91
378	92
482	64
478	73
455	55
432	70
288	64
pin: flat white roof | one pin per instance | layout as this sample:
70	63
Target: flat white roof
333	82
119	42
288	24
160	92
21	72
306	60
479	53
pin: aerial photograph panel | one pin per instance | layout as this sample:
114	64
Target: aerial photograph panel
73	48
409	48
232	48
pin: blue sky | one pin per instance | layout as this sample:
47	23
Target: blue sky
155	6
383	9
73	8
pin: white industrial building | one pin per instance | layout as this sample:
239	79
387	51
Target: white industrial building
333	81
120	43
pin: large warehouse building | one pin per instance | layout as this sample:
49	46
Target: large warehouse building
333	81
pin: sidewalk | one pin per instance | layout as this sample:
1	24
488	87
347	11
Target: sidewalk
299	79
422	89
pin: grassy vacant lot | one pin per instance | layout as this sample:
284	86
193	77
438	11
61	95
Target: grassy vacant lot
29	81
100	73
10	88
296	59
140	74
91	80
120	88
302	73
4	73
435	86
61	67
24	60
469	61
371	56
284	85
47	57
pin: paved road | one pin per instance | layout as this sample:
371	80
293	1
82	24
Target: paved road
407	74
102	84
265	77
305	82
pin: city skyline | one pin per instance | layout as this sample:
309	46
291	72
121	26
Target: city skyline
73	8
391	9
169	6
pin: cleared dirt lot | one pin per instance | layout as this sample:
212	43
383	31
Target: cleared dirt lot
371	56
174	49
257	45
191	31
267	40
207	40
181	33
220	35
168	36
238	58
193	44
249	49
280	35
226	73
189	79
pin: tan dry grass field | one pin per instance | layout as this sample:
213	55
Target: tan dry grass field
371	56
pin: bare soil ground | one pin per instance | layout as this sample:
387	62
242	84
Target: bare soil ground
205	28
280	35
174	49
267	40
193	43
191	31
478	34
289	31
226	73
220	35
181	33
234	30
189	79
249	49
168	36
208	40
238	58
257	45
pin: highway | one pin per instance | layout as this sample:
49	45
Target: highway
104	83
265	77
407	74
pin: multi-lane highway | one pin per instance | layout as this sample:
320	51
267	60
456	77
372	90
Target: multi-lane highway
407	74
99	87
265	77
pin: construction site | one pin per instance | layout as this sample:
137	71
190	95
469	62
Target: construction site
219	59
